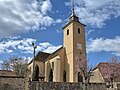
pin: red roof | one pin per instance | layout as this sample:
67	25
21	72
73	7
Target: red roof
108	69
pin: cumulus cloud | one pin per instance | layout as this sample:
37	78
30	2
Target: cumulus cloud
49	48
9	45
46	6
96	12
18	16
108	45
25	46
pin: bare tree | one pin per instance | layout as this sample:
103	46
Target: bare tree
114	65
5	65
111	71
83	69
18	65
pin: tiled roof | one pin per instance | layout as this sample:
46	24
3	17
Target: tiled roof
7	73
107	69
41	56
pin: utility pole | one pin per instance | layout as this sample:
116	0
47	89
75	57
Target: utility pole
34	47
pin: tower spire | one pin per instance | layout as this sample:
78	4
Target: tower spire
73	17
73	12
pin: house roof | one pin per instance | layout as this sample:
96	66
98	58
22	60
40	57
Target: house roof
107	69
7	73
41	56
54	53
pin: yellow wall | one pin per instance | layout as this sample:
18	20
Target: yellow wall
97	77
58	67
78	38
41	68
70	45
30	67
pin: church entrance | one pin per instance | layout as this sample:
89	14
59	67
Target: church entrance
80	77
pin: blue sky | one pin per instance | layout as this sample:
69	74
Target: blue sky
25	21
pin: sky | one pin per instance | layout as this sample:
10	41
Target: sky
40	21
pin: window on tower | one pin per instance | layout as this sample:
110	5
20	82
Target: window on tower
78	30
68	32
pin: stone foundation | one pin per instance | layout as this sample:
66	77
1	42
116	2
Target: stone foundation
65	86
21	83
12	83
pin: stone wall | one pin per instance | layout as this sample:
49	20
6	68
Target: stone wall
20	83
118	86
64	86
12	83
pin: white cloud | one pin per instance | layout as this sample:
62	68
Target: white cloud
52	48
45	44
18	16
25	46
46	6
90	31
15	44
108	45
27	58
96	12
58	21
47	47
9	51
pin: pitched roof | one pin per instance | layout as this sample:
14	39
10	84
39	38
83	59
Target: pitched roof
55	53
41	56
7	73
107	69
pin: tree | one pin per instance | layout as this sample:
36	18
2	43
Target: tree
111	70
83	69
114	66
5	65
36	74
16	64
51	75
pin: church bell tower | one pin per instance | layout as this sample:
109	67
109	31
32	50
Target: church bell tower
74	44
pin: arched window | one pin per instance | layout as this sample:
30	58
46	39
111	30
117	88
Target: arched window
78	30
68	32
80	78
52	65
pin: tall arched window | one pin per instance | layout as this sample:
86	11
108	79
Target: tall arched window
68	32
80	78
78	30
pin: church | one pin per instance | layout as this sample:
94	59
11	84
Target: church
62	61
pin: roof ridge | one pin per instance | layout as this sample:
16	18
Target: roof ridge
52	54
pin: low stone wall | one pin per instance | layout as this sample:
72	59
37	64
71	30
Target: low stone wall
21	83
118	86
64	86
12	83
